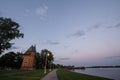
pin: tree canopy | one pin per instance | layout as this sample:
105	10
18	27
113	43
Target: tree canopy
9	30
41	57
11	60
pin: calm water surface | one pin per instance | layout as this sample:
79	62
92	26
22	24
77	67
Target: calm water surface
113	73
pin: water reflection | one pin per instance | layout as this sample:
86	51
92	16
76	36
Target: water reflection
113	73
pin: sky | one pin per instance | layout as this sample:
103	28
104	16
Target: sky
77	32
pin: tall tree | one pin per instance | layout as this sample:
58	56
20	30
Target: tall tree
38	60
9	30
11	60
41	58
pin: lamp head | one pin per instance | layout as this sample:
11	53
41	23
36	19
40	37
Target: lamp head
48	54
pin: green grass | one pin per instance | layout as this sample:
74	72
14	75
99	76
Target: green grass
21	75
68	75
9	71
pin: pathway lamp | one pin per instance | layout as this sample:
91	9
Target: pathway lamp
51	62
46	62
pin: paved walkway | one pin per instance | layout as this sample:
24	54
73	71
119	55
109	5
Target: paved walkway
51	76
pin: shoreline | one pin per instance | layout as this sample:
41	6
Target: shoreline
70	75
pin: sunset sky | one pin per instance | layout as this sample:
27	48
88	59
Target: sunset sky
78	32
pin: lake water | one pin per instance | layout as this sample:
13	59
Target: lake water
113	73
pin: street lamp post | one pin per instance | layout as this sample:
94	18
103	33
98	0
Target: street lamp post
51	65
47	54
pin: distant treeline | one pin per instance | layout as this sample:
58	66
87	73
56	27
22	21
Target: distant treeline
83	67
104	67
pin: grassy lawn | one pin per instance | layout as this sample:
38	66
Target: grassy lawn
21	75
9	71
68	75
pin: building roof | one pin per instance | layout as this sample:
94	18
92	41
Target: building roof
31	49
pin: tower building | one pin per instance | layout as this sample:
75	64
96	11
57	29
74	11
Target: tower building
29	59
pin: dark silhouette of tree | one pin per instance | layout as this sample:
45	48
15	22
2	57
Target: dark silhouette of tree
38	60
11	60
49	57
9	30
18	60
41	58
